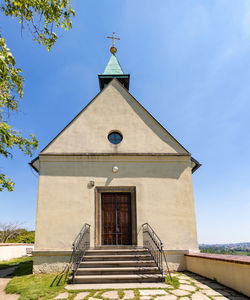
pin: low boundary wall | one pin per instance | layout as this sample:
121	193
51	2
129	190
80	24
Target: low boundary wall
230	270
11	250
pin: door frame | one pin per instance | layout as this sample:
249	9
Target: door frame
115	200
98	211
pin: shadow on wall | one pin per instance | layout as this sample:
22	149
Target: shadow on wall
171	169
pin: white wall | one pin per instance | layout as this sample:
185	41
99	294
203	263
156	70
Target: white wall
13	251
164	197
231	272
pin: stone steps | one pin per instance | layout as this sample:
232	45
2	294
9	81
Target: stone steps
116	251
117	257
129	278
117	265
118	271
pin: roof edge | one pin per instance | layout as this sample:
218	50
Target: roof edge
153	117
31	164
114	154
116	80
73	119
197	164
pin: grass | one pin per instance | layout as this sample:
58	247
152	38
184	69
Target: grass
39	286
13	262
24	267
121	294
137	294
33	286
173	280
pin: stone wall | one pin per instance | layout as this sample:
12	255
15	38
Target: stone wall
230	270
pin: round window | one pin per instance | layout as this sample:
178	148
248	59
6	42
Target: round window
115	137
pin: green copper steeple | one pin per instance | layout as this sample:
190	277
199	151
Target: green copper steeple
113	70
113	67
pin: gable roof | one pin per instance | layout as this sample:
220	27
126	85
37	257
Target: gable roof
118	85
115	83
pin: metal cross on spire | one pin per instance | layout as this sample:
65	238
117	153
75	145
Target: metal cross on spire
113	49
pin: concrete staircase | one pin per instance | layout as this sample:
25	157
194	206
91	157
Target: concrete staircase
114	265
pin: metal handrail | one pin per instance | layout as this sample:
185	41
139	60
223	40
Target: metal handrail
80	233
152	231
79	246
153	243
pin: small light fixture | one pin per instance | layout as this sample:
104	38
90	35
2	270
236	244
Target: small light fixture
91	184
115	169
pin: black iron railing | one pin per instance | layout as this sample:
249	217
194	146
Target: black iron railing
153	243
79	246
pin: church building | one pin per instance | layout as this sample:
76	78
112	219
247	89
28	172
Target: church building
115	168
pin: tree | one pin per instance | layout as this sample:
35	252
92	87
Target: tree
8	231
23	236
14	233
41	18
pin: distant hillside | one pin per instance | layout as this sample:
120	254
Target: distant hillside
233	248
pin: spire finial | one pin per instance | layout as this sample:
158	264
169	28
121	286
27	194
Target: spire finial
113	49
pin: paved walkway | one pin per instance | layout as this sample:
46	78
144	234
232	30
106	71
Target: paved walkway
191	287
3	282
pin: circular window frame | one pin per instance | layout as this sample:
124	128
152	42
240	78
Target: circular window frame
116	132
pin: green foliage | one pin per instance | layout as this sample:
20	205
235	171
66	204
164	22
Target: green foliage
216	250
13	262
11	79
23	236
173	280
41	17
8	139
6	183
13	233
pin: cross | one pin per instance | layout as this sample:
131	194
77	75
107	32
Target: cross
113	38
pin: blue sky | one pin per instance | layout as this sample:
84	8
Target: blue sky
189	62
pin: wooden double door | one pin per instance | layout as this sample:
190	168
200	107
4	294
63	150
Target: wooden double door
116	219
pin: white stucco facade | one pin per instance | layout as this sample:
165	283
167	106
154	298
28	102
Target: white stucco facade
150	161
